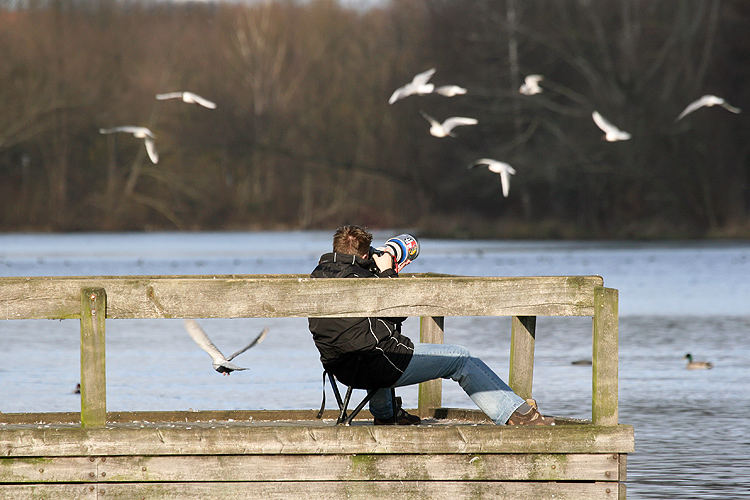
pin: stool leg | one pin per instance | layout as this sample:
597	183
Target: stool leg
335	388
342	415
355	411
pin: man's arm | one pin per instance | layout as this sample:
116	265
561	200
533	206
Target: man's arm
384	261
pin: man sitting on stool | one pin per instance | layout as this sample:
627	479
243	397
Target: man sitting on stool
371	353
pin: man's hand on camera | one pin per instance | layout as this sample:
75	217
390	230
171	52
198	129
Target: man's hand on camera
383	261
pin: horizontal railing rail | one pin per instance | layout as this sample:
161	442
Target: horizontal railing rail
267	296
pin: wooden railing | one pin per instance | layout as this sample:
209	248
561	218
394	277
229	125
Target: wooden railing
95	299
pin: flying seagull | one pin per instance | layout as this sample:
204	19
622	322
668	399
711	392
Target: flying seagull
418	85
187	97
450	90
611	133
220	363
138	133
708	101
530	85
498	167
444	129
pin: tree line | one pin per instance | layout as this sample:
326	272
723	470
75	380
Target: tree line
303	136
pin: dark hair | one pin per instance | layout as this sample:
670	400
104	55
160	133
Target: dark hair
352	240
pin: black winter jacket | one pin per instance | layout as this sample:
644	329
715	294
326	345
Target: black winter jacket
363	352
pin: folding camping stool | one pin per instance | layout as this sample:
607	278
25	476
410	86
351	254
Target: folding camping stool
343	404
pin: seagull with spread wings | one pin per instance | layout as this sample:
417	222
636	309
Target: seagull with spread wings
220	363
530	85
418	85
611	133
138	133
498	167
708	101
446	128
187	97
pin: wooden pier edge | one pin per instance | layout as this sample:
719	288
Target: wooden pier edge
281	458
278	454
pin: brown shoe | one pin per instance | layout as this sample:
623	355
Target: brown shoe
532	417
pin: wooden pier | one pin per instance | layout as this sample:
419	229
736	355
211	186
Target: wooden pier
287	454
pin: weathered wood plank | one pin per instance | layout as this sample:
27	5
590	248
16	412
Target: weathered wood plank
604	374
512	490
359	467
522	339
250	296
464	415
301	439
49	491
93	373
431	331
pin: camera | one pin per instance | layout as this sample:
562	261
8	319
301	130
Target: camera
404	248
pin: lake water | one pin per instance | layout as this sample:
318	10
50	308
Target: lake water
690	426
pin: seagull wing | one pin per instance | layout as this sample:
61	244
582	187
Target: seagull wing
423	77
430	119
200	100
257	340
602	123
729	107
455	121
130	129
482	161
169	95
151	150
200	338
505	174
399	93
699	103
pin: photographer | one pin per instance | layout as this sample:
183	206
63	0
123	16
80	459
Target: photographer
372	353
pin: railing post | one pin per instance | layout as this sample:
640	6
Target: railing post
522	339
605	357
93	374
431	330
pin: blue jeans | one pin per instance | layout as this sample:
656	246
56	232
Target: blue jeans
433	361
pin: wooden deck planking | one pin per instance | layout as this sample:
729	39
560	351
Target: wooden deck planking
418	490
302	439
343	467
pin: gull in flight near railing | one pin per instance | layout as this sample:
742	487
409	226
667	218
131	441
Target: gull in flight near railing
139	133
419	85
187	97
498	167
708	101
530	85
444	129
611	133
450	90
220	363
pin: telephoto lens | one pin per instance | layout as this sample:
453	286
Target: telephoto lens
404	248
